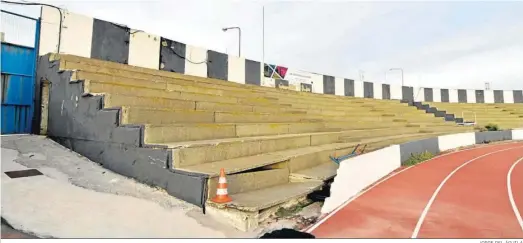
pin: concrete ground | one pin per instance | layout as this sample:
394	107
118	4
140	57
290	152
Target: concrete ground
77	198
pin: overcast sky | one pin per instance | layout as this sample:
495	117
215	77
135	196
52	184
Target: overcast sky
438	44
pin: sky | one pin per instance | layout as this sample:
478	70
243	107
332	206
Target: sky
438	44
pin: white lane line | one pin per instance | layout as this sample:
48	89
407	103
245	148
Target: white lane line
511	197
352	199
431	201
313	227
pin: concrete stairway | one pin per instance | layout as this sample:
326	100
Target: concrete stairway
273	144
506	116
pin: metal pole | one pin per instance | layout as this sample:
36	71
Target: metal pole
402	83
239	38
239	42
400	69
263	39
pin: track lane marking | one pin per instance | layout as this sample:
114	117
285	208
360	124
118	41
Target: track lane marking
438	189
317	224
511	196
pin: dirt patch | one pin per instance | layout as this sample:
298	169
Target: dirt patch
291	221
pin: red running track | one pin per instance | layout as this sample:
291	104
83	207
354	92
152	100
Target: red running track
458	195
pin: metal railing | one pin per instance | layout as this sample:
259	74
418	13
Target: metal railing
469	122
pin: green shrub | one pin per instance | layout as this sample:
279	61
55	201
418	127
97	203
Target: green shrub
480	129
492	127
418	157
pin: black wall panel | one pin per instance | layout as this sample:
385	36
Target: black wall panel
252	72
407	93
172	56
498	96
110	42
428	94
217	65
491	136
368	90
480	96
349	87
415	147
328	85
462	96
306	87
385	91
518	96
281	84
444	95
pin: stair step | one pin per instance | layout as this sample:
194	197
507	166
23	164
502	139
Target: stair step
251	162
322	172
250	181
254	201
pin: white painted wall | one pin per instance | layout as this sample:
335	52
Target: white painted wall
236	69
517	134
508	96
396	93
358	89
453	95
262	75
268	82
144	50
378	91
76	36
489	96
436	95
419	94
339	85
49	30
195	55
471	96
452	141
357	173
317	83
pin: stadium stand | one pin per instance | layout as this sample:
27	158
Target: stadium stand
274	144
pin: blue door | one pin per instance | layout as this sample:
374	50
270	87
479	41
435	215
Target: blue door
18	70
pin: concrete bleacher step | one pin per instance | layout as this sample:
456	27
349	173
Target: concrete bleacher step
493	115
118	100
205	131
155	134
167	84
321	172
496	119
140	115
95	87
204	151
291	156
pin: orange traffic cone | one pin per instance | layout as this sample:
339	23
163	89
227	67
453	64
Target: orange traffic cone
222	196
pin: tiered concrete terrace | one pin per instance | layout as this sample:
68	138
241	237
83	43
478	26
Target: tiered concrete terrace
274	144
506	116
